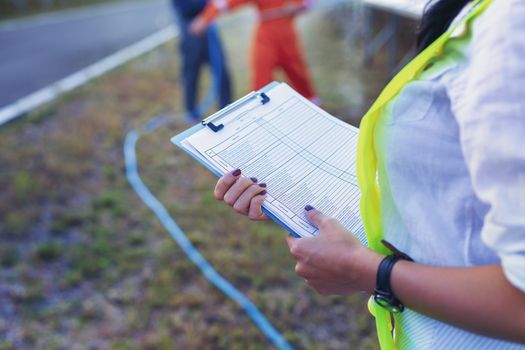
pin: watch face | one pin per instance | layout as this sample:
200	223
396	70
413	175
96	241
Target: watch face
382	301
386	303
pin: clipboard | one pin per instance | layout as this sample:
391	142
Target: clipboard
214	123
297	148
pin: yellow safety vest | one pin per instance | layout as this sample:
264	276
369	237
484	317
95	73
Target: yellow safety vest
367	160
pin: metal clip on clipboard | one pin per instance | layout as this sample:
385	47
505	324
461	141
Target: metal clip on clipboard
211	121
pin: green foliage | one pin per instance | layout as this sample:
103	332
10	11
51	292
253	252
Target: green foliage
6	345
15	224
111	202
123	344
24	184
71	279
110	172
49	251
9	256
93	259
160	341
70	219
137	238
31	293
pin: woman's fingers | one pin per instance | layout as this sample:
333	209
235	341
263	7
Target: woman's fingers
245	195
255	210
317	218
237	189
243	201
225	182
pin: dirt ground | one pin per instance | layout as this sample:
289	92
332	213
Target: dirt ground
85	265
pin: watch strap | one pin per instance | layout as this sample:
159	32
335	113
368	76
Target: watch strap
384	272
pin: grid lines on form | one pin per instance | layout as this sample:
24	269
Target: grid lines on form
321	145
330	149
304	156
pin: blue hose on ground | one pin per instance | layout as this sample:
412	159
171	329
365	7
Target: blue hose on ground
182	240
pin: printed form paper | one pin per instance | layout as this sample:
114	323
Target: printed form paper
303	154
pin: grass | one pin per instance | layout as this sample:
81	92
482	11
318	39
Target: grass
84	263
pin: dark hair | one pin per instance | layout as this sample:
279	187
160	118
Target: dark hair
436	19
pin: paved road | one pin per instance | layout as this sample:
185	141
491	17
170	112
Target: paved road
38	51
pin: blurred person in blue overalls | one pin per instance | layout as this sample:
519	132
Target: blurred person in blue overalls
197	50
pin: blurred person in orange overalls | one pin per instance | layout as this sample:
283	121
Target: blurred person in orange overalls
276	43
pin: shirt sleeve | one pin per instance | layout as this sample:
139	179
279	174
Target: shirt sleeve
305	3
491	118
216	7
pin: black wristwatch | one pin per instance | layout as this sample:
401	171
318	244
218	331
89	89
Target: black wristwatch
383	294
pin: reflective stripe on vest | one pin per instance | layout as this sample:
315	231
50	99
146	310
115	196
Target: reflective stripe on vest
367	162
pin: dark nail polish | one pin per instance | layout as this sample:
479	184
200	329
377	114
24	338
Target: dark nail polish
263	185
262	193
236	172
308	207
254	179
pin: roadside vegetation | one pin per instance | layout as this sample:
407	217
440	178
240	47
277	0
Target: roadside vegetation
85	265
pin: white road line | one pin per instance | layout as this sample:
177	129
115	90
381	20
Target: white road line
81	77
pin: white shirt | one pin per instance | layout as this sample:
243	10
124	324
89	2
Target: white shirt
453	185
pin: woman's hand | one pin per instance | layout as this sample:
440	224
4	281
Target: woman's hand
198	26
333	262
245	195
